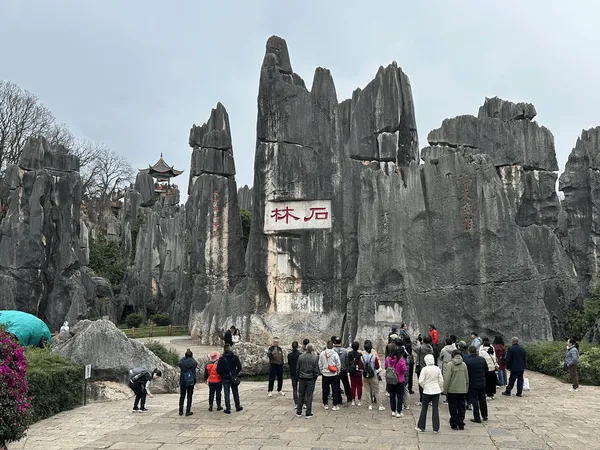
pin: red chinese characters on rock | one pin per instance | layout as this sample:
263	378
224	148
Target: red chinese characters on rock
316	213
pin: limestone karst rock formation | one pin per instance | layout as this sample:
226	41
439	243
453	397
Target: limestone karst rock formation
41	255
465	240
245	197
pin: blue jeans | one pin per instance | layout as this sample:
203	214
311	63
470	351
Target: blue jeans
502	377
227	385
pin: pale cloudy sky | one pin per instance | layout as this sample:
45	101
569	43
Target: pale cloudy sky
137	74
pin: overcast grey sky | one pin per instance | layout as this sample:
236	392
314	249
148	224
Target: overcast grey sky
137	74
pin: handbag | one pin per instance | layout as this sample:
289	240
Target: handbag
332	369
235	379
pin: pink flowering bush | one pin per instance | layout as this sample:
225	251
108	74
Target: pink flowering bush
15	404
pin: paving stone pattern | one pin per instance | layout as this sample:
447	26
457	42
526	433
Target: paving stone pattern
547	417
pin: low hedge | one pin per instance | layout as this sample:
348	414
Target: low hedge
549	358
167	355
55	383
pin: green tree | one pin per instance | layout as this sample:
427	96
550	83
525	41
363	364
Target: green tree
106	259
246	217
579	321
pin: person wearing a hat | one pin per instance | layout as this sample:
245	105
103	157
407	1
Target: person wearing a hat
215	384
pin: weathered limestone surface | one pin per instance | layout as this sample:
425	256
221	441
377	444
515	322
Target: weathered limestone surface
112	354
580	184
41	255
245	197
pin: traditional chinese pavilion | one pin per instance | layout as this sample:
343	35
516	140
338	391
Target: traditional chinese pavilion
161	171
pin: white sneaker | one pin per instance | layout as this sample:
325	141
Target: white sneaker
406	406
418	403
295	406
387	394
370	407
394	414
382	408
281	393
270	394
326	406
573	390
359	403
335	408
353	403
400	414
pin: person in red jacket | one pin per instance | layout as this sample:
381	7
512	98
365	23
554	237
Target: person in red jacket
215	383
433	334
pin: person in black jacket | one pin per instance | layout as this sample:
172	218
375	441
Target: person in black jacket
139	383
516	360
477	368
229	365
292	362
308	371
228	336
187	381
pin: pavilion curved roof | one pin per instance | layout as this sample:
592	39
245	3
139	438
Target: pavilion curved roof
161	169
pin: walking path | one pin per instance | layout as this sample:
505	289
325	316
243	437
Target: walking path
547	417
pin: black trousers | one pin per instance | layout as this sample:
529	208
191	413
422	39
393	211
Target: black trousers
346	383
435	414
183	393
479	403
305	396
456	407
411	370
214	389
276	371
518	376
140	395
332	382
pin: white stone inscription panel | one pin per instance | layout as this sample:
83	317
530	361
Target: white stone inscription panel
297	215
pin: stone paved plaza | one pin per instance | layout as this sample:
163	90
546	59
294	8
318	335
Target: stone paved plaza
547	417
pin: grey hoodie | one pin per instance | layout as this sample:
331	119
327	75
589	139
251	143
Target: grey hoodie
421	351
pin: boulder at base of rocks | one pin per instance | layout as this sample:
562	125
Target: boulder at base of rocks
107	391
253	358
112	354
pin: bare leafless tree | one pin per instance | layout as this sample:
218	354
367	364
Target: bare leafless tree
103	171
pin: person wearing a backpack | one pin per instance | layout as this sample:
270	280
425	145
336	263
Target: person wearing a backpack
356	377
369	365
215	384
229	368
422	348
139	383
187	381
501	358
432	383
395	368
343	354
329	365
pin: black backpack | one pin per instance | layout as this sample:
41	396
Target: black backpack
353	361
368	371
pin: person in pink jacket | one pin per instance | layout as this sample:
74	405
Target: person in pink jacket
395	385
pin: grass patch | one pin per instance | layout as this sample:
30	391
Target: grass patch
167	355
549	357
55	383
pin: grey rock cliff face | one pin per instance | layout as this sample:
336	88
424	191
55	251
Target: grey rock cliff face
40	251
245	197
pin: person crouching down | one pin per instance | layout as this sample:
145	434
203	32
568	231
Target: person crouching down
139	383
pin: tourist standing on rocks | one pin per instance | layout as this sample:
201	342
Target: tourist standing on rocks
432	383
215	383
395	368
228	336
139	383
305	342
236	336
187	381
307	371
572	363
500	359
456	388
329	365
355	373
293	362
476	340
421	348
477	367
343	354
516	361
275	354
369	365
229	368
486	351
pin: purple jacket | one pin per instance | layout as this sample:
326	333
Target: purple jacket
399	365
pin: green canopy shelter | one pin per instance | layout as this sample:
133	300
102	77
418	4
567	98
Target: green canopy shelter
27	328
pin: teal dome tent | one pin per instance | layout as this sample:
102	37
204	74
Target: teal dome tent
28	329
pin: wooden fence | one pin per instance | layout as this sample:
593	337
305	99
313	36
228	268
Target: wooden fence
155	331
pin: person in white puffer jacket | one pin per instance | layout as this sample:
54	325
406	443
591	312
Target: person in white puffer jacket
432	382
487	352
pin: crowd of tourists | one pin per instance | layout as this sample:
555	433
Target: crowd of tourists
460	376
